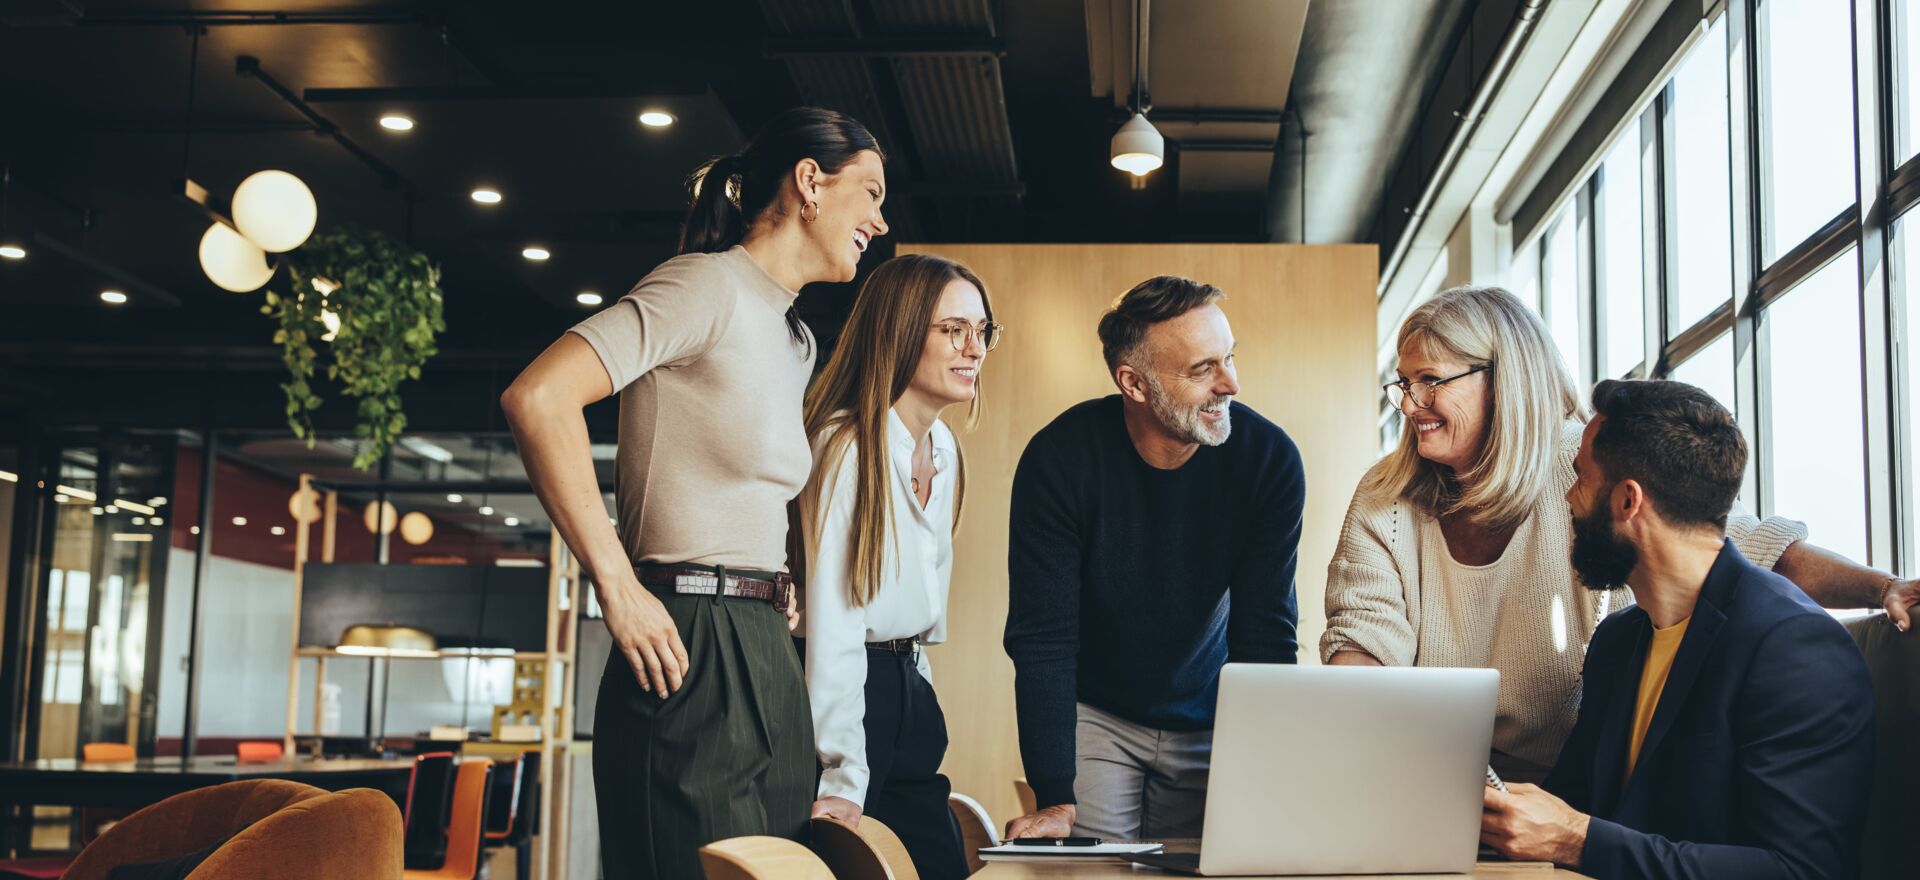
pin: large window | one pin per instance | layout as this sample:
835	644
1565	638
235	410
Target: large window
1711	370
1702	198
1827	295
1816	470
1622	269
1907	377
1560	299
1806	132
1906	79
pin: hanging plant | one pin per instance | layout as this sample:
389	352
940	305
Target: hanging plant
375	305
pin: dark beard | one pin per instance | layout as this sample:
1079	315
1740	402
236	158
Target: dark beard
1601	559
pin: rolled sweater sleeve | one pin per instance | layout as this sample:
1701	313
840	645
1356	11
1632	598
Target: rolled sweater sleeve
1367	606
836	637
1763	541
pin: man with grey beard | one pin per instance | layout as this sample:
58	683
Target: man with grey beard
1153	538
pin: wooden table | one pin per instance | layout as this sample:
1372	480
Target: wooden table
1116	871
71	782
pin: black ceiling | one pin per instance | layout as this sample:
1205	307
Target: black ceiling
984	106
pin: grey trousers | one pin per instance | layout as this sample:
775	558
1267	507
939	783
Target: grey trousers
1134	782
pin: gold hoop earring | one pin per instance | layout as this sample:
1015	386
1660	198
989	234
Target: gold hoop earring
816	211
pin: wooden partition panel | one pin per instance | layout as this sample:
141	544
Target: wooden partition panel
1304	319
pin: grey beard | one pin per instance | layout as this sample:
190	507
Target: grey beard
1185	422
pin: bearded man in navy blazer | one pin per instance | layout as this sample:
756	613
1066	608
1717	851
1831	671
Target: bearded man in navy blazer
1726	729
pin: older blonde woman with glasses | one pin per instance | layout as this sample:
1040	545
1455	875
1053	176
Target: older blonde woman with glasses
1455	550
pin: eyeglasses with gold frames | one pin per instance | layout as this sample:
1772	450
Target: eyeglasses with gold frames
957	332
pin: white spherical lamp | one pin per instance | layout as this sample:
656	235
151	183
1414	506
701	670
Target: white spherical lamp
233	262
381	517
275	210
1138	146
416	528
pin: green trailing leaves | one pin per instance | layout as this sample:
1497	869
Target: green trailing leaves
386	297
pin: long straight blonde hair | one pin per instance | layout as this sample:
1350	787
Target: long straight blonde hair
873	363
1533	399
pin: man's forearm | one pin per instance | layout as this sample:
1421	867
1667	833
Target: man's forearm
1830	579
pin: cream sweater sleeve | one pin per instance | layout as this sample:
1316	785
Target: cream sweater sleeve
1368	603
1763	541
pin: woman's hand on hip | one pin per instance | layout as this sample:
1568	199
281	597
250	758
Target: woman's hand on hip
647	636
837	808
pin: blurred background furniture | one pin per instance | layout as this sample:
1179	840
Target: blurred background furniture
258	828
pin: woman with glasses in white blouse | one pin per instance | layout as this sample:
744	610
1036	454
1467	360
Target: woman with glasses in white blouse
878	516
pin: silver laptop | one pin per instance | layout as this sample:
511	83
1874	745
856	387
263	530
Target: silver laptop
1344	770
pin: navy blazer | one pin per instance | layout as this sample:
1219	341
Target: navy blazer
1759	757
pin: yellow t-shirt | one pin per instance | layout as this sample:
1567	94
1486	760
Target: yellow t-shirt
1653	680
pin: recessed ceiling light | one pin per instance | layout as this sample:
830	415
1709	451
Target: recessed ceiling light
239	520
486	510
396	122
113	297
536	254
455	498
487	196
511	521
656	119
13	251
587	298
278	530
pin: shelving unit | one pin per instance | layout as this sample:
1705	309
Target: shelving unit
556	716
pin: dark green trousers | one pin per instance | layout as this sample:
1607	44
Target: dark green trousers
729	754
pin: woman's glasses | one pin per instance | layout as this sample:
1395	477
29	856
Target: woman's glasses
957	332
1422	392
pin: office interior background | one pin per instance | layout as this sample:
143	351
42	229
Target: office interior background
1716	192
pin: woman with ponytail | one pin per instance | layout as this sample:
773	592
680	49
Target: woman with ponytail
702	727
878	517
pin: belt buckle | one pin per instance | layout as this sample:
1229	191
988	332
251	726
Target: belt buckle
783	591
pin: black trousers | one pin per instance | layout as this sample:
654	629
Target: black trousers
728	754
906	741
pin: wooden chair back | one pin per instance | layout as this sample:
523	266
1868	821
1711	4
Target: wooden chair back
870	851
976	828
761	858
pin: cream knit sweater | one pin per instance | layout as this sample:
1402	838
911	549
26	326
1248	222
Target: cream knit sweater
1395	592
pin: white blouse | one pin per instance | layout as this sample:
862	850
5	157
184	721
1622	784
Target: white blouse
911	601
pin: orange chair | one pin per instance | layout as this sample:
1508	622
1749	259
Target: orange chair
263	828
258	752
106	753
463	830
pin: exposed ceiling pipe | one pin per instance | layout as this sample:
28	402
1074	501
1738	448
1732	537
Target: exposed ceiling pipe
1524	20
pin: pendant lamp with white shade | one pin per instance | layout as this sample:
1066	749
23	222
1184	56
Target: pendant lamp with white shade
274	210
233	262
